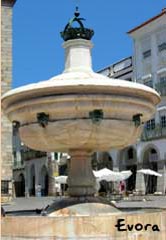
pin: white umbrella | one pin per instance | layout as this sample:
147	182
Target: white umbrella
103	174
61	179
111	176
126	174
149	172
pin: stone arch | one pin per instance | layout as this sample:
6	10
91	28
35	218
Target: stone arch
32	180
148	147
150	161
128	161
44	180
104	160
20	185
107	161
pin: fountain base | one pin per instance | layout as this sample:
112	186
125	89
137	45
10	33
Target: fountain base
92	224
72	206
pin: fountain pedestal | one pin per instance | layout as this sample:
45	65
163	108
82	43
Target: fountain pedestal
81	180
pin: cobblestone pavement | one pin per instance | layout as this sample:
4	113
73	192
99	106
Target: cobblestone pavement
30	203
33	203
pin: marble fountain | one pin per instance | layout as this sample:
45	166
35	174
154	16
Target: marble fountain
78	112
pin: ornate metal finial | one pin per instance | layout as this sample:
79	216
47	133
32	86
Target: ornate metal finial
76	32
77	14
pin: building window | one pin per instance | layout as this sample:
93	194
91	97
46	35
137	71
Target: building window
163	121
163	80
161	86
56	155
150	125
130	154
4	186
15	131
14	157
162	47
147	54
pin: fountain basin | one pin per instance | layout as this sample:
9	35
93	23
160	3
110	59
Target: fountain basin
97	226
68	100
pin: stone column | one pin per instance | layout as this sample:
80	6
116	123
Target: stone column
164	176
6	80
140	183
78	55
51	170
81	180
26	181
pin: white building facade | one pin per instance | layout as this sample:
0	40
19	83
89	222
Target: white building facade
148	67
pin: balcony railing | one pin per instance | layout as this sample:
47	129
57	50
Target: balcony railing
150	134
31	154
161	88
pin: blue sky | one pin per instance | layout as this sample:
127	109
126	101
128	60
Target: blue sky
37	51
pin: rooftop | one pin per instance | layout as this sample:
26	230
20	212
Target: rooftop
163	12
